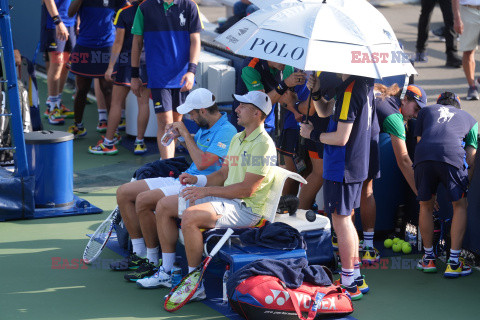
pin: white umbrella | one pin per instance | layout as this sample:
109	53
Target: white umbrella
343	36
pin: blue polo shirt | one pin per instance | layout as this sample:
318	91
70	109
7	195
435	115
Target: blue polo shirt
96	22
349	164
390	118
215	140
166	34
62	7
444	132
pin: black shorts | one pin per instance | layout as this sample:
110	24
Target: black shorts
341	197
89	62
123	76
288	142
50	43
167	99
429	174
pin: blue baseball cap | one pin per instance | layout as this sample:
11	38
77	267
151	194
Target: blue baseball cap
417	93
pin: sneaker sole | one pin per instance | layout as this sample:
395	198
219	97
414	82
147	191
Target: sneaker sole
427	270
356	297
456	275
471	99
152	287
103	153
56	123
139	152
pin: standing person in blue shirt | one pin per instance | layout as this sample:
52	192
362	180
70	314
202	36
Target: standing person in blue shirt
137	200
346	165
170	32
90	57
58	38
120	59
445	154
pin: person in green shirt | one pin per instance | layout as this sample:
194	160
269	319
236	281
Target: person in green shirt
234	196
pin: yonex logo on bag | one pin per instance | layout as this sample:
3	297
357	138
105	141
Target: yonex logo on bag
281	300
304	301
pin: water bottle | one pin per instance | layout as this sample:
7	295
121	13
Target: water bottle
169	136
182	203
224	282
176	275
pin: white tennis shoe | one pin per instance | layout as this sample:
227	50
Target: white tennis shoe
199	294
158	280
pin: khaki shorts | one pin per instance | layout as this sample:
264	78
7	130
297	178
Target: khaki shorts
471	29
234	212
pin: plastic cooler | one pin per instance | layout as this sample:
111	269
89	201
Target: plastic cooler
317	235
50	160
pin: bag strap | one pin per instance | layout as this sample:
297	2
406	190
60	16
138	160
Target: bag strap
314	304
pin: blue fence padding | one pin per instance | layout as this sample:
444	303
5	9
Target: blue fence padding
16	196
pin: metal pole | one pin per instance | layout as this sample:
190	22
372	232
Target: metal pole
12	90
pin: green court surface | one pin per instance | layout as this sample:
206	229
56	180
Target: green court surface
40	277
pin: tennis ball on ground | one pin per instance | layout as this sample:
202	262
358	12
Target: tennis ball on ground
400	242
388	243
395	240
396	247
406	248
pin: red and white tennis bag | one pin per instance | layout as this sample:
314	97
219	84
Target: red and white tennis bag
267	297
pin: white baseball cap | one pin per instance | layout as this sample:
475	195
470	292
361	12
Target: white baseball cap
258	98
197	99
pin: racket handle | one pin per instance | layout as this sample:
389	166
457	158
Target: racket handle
221	242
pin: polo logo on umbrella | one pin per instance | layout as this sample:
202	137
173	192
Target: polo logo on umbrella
277	48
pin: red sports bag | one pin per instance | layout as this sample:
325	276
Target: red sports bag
267	297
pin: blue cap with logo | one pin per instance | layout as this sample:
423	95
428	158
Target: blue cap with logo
417	93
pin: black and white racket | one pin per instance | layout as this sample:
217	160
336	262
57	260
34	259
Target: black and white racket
182	293
100	238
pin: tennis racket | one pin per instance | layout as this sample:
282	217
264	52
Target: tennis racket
99	239
182	293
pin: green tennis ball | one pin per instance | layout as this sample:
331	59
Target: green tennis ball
395	240
406	248
400	242
396	247
388	243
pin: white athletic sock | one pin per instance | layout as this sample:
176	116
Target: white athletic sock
190	269
429	251
368	239
139	247
52	103
356	270
168	259
102	115
347	277
454	254
59	99
152	255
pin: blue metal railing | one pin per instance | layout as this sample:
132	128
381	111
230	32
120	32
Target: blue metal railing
21	165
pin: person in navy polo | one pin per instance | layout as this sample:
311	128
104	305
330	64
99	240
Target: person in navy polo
58	38
444	154
170	32
346	165
91	54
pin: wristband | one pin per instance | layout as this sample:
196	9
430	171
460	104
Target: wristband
56	20
281	88
316	95
315	135
201	181
135	72
192	67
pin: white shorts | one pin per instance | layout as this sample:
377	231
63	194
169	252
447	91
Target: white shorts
471	29
234	212
169	186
